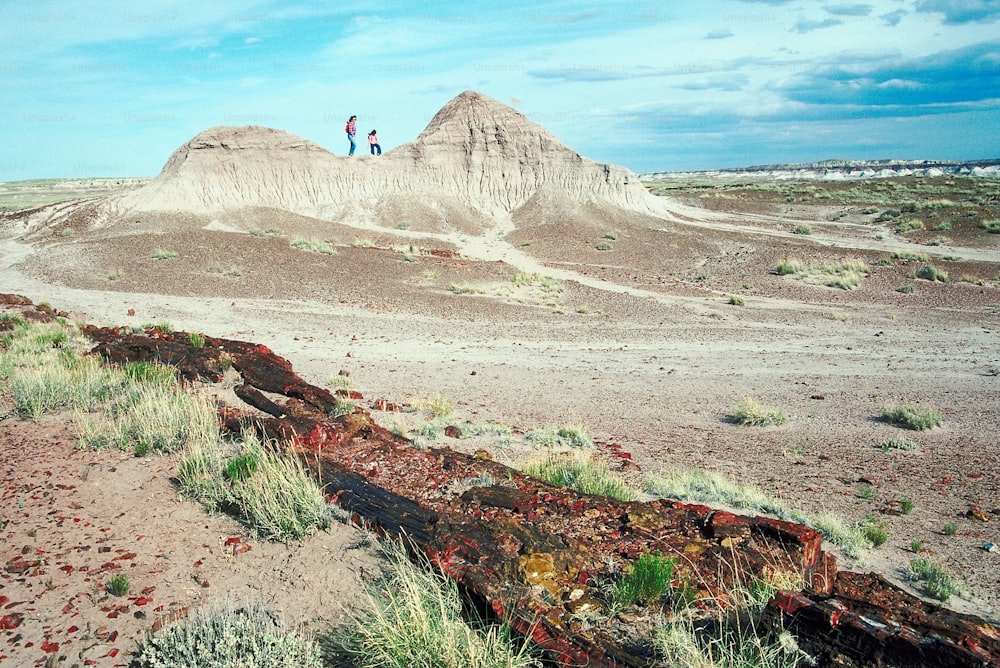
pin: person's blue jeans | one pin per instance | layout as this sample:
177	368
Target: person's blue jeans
376	147
350	138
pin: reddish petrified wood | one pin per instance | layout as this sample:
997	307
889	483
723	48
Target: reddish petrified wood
536	552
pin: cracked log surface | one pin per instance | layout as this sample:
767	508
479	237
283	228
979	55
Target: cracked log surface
536	553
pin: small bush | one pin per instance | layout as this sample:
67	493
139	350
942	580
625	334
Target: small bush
611	235
934	580
908	225
942	227
907	289
197	340
314	245
910	417
802	229
604	246
910	256
929	272
117	585
161	254
949	529
736	300
875	533
466	289
898	443
991	226
753	413
916	547
906	505
249	635
866	491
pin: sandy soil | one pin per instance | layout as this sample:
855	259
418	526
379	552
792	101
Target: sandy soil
638	344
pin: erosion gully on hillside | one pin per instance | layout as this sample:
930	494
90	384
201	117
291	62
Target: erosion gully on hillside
534	553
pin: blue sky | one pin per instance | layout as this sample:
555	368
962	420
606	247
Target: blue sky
105	88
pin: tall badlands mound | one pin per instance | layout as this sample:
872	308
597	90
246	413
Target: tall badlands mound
477	160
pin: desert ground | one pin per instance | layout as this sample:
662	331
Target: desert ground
646	332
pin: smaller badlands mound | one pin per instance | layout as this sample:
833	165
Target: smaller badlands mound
474	167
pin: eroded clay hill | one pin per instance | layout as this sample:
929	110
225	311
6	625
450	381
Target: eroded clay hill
475	165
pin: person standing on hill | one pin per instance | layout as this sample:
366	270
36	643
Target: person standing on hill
351	129
373	143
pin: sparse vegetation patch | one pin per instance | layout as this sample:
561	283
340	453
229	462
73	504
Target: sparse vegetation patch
845	275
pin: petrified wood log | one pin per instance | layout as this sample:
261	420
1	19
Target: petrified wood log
537	553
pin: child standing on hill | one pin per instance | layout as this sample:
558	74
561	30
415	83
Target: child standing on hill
351	129
373	143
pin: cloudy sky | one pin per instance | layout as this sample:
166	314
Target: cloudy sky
106	88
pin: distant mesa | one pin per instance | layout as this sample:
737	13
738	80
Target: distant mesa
477	160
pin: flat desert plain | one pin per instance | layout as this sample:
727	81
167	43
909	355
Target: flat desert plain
646	333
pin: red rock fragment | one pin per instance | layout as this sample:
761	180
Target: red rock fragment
233	540
49	647
11	621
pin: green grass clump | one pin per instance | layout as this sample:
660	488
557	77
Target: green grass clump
933	579
580	473
162	254
736	300
563	436
415	619
753	413
197	340
802	229
604	246
950	529
44	369
280	500
646	582
314	245
117	585
906	289
272	494
908	225
436	404
991	226
227	637
912	417
150	417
